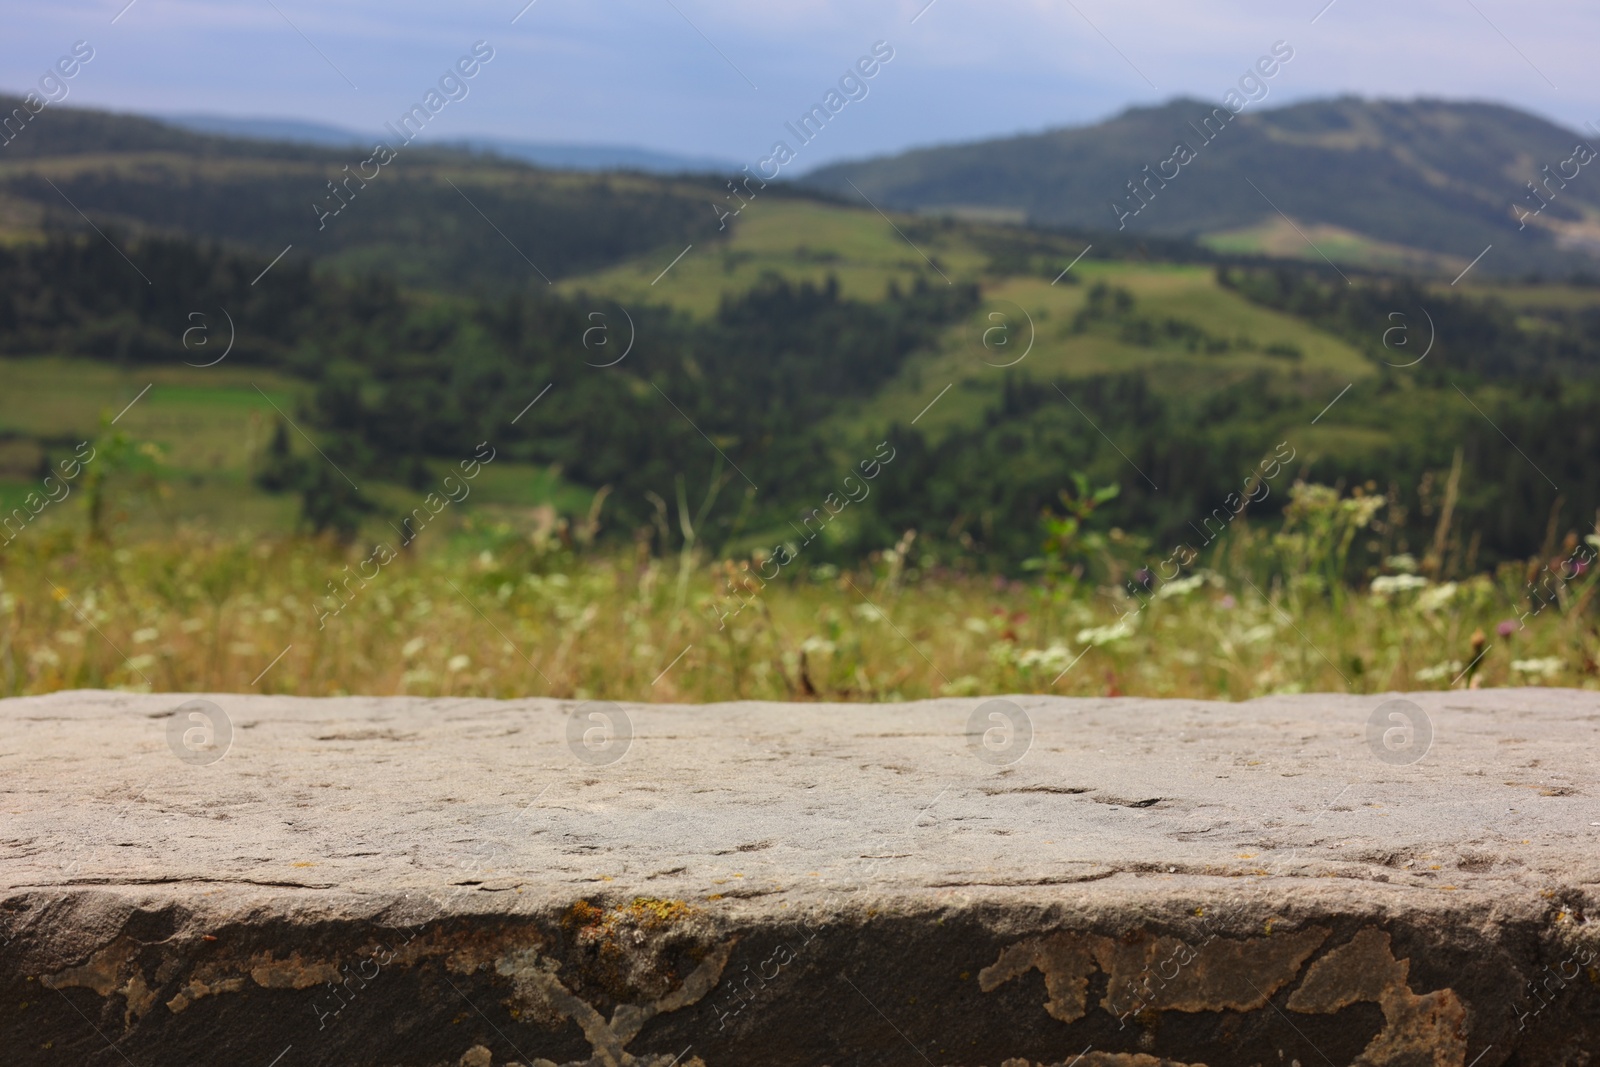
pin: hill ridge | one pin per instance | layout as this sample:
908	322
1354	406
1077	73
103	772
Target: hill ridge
1427	180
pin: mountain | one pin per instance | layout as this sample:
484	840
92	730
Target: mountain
432	216
266	129
600	157
1421	184
556	156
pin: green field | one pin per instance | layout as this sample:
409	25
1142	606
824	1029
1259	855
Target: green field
798	239
810	242
202	431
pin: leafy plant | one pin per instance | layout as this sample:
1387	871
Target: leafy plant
1069	545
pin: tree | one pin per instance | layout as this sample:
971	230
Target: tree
328	503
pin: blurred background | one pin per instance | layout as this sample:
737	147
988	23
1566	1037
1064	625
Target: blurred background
682	350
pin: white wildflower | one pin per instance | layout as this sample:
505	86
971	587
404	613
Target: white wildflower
1432	600
1448	669
1105	635
1390	584
868	613
1180	586
1549	666
1055	658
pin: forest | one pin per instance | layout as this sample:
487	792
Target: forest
398	379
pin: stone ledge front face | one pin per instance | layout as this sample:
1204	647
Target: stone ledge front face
283	882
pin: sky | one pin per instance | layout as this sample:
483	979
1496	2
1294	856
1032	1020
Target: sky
720	78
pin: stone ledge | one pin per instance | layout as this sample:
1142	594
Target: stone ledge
395	881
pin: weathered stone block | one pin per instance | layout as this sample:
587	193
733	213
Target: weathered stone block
399	882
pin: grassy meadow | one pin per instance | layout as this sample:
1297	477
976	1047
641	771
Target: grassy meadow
488	608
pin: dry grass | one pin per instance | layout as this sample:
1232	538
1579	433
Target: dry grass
491	613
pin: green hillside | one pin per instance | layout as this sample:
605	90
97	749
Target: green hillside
441	219
199	435
1410	185
766	358
811	242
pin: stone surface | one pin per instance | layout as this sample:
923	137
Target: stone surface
393	881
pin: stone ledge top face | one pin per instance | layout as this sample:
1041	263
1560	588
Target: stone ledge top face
503	806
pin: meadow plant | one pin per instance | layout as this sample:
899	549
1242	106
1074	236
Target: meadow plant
489	609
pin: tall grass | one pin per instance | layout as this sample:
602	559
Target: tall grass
492	611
